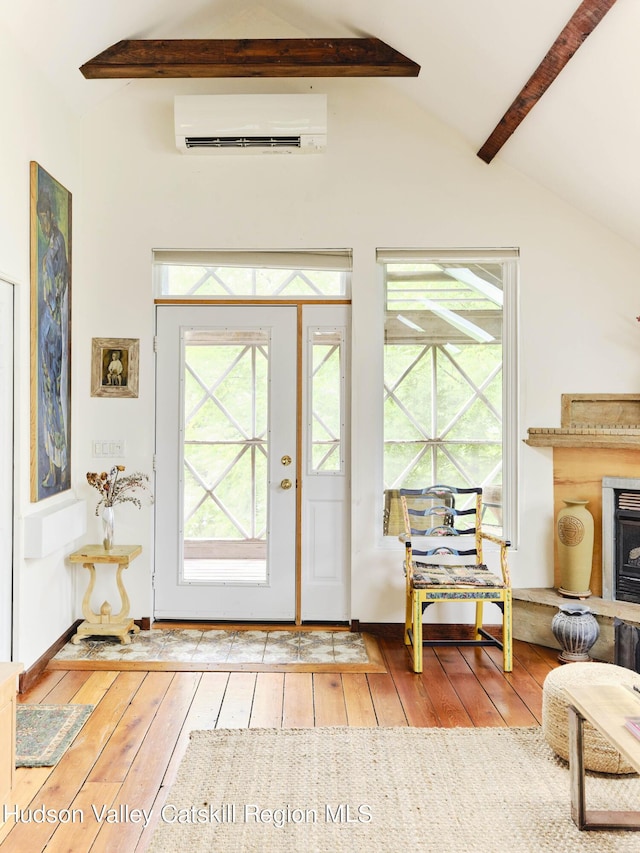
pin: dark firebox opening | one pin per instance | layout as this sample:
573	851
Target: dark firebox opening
627	532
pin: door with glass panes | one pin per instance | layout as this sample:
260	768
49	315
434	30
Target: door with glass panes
251	463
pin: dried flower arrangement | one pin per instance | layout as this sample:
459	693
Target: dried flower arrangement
115	489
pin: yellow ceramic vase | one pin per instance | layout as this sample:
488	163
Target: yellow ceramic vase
574	532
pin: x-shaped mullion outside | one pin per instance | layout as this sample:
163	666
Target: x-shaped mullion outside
210	273
390	389
316	416
448	449
330	451
476	395
292	277
209	392
209	491
432	448
422	451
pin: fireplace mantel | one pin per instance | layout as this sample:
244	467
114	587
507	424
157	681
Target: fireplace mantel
586	438
593	420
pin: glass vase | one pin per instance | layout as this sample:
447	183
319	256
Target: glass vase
108	520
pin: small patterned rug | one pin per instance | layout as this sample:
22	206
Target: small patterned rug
45	732
210	649
382	790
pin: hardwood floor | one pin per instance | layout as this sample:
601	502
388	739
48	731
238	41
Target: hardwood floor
128	752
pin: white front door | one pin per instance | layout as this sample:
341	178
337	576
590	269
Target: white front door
226	462
252	463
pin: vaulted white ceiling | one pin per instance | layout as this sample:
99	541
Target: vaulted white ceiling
581	140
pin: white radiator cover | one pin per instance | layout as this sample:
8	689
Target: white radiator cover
48	530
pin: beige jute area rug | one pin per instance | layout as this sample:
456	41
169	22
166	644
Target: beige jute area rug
360	790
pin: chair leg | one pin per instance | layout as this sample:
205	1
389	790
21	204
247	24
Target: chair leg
417	633
507	639
479	615
408	617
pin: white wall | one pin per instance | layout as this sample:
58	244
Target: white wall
391	177
38	127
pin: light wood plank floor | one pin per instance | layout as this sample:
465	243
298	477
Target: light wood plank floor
128	752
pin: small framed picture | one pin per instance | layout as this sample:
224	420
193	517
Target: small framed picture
114	367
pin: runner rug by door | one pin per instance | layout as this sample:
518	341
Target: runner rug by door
45	732
381	790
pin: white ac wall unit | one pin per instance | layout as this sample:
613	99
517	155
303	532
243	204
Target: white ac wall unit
259	124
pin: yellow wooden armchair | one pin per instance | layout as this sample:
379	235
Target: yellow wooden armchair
436	571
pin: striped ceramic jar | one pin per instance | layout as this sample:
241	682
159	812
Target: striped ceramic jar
576	629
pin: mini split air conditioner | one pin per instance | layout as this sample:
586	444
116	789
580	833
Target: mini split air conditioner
259	124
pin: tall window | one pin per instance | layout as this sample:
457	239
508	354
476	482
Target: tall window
449	376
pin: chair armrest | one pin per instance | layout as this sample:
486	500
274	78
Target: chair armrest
504	544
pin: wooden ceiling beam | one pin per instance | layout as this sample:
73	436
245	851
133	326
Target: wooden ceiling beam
582	23
312	57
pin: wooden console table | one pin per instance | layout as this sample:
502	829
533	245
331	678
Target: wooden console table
106	623
8	674
605	707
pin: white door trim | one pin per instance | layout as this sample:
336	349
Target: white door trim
7	309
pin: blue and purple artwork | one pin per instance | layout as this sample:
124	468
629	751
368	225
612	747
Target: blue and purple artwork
50	335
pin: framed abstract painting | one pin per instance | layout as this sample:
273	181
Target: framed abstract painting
50	335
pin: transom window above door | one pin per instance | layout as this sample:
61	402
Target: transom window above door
252	275
449	376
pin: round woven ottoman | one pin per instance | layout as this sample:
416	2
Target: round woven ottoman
599	755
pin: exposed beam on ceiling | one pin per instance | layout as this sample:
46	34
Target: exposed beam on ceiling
582	23
313	57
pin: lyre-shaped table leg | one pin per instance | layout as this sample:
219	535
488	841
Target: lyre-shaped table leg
87	612
124	598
